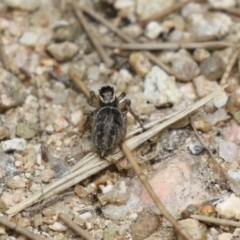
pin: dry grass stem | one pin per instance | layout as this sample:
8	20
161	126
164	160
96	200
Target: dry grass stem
108	61
173	8
229	67
21	230
123	36
169	45
92	163
152	193
83	233
217	221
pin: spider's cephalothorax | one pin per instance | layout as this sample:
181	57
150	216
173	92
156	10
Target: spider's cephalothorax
109	122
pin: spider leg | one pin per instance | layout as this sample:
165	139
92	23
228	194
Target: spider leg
125	106
92	101
121	96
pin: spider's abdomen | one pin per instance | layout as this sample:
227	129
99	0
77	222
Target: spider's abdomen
109	129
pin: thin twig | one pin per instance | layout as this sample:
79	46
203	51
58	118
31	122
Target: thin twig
152	193
126	38
108	61
63	6
157	16
217	221
3	56
229	67
169	45
21	230
75	227
233	11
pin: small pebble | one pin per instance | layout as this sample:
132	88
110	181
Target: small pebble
220	100
18	144
200	54
229	208
15	182
140	64
160	89
222	4
196	149
46	175
4	133
110	232
228	151
76	117
3	206
233	105
203	86
234	180
115	212
60	124
195	229
202	125
212	68
38	220
24	130
63	51
217	116
28	39
145	224
153	30
184	67
58	227
2	230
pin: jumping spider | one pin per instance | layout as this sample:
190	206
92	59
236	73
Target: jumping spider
109	121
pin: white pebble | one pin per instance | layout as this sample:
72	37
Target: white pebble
153	29
18	144
220	100
29	39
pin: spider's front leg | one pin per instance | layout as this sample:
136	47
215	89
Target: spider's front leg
93	100
125	106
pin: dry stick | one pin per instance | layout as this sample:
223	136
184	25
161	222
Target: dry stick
169	45
233	11
175	7
108	61
229	67
21	230
92	163
126	38
152	193
4	58
217	221
75	227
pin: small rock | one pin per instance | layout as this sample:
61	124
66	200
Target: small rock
63	51
195	229
190	8
29	39
46	175
140	64
15	182
76	117
200	54
234	180
115	212
229	208
222	4
23	130
204	86
9	86
145	224
18	144
110	232
217	116
228	150
38	220
232	133
212	68
133	30
196	149
153	30
23	222
27	5
3	206
60	124
4	133
93	73
183	66
83	192
225	236
147	8
202	125
119	4
119	194
188	91
220	100
58	227
210	23
85	216
233	105
160	89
